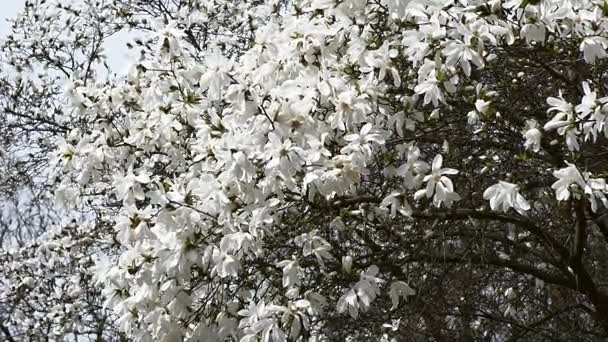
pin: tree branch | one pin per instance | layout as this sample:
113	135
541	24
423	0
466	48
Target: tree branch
580	233
546	276
7	333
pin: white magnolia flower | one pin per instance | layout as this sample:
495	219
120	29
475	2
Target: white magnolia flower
472	117
597	193
510	293
588	102
347	263
362	294
505	195
534	32
216	75
559	104
398	203
560	121
594	48
566	177
533	136
130	184
361	143
461	52
430	89
169	40
482	106
563	121
439	185
290	272
399	289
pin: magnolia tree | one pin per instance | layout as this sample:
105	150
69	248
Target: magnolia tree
310	170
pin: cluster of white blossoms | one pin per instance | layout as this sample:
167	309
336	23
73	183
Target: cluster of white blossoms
200	153
47	285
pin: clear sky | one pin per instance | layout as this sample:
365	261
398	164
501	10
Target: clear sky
9	9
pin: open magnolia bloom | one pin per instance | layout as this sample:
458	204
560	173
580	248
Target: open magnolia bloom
310	170
504	195
567	178
438	185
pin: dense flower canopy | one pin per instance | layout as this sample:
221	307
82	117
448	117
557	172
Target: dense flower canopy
266	169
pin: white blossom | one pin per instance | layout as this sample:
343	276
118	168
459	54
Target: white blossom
567	177
505	195
263	165
438	185
533	136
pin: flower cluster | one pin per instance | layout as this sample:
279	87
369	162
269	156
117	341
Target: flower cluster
246	151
